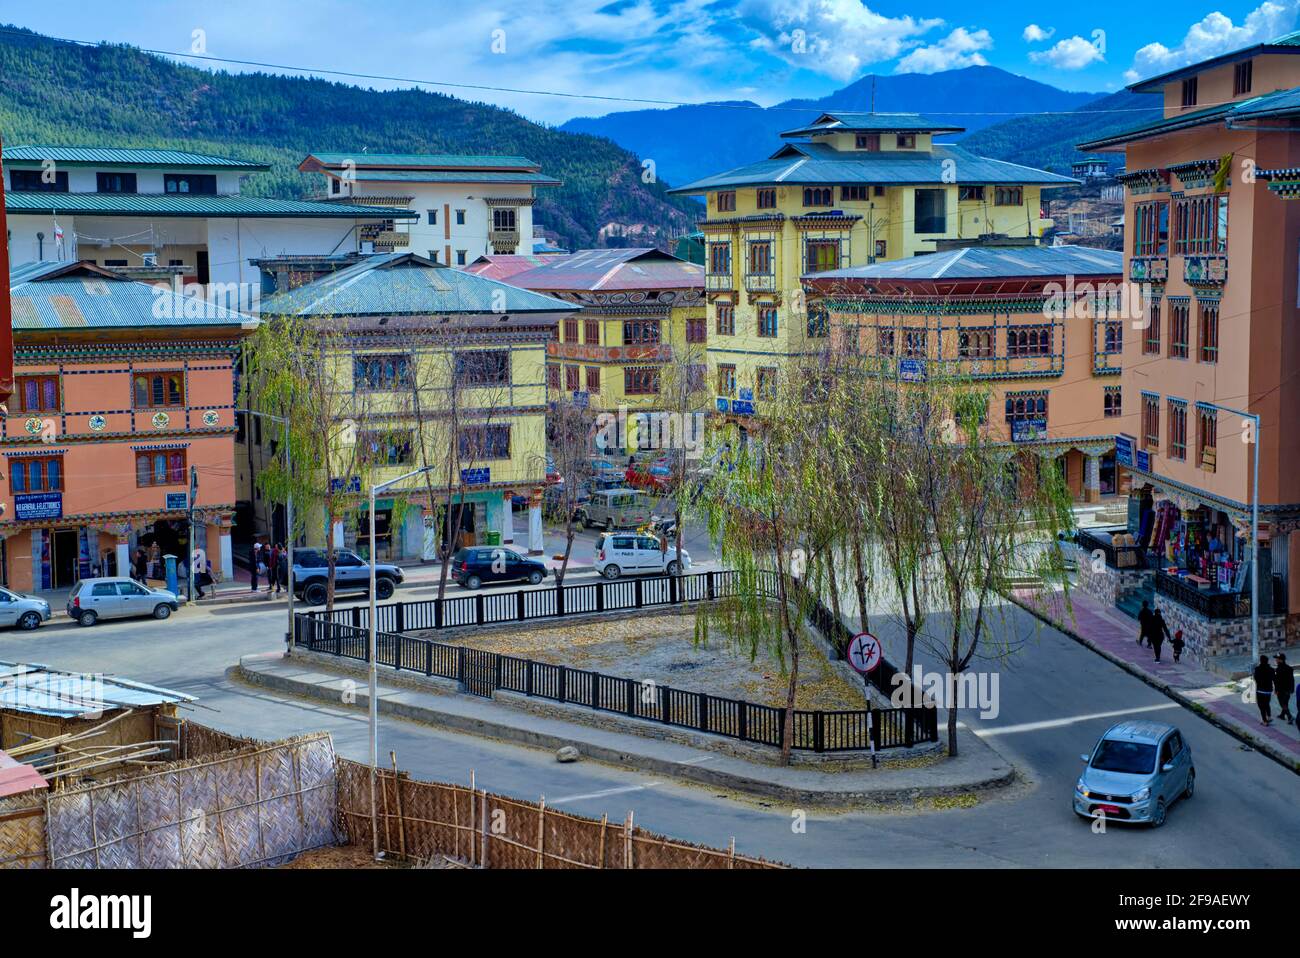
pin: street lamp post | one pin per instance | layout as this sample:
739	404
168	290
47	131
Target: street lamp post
1254	533
373	686
288	514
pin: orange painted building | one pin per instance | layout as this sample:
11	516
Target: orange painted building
124	395
1211	233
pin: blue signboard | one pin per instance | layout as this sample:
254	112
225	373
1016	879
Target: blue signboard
742	407
39	505
177	500
354	484
724	404
1144	460
746	395
1124	451
581	399
911	370
1026	430
476	477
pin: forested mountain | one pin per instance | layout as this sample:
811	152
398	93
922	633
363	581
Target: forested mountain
113	95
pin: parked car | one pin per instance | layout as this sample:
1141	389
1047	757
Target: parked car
635	554
118	597
657	477
1135	773
613	509
351	573
476	566
25	612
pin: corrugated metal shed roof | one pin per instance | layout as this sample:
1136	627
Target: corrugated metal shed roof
1287	43
65	296
396	284
612	269
991	262
850	122
114	156
802	164
173	204
503	266
1270	105
424	160
41	690
531	177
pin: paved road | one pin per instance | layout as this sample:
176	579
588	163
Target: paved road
1056	698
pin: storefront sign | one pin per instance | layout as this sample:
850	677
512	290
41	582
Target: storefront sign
38	505
177	501
724	404
911	370
581	400
743	407
1027	430
476	477
1124	451
354	484
1143	460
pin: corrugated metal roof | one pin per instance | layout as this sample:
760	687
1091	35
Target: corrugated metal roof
990	262
1287	43
850	122
455	176
1270	105
114	156
612	269
172	204
64	296
424	160
800	164
41	690
396	284
503	266
17	778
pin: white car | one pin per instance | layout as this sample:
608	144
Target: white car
630	553
22	611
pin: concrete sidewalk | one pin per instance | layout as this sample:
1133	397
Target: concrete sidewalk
1113	634
978	767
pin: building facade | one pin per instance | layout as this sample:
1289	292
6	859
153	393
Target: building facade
1041	326
1211	232
420	341
124	398
460	207
165	215
850	189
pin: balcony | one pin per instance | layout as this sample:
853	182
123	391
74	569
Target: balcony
389	240
1210	603
718	282
760	282
1149	269
1128	558
503	241
1205	270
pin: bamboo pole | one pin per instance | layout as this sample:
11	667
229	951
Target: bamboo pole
401	814
604	826
627	841
383	784
541	832
731	853
473	845
483	828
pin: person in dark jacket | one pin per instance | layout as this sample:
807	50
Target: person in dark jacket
1264	690
1144	623
141	566
1283	686
1159	631
1178	645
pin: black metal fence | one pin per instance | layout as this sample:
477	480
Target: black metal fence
1211	604
1127	558
345	633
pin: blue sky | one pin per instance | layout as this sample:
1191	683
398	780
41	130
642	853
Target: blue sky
679	50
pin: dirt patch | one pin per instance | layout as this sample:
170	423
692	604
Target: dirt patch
662	648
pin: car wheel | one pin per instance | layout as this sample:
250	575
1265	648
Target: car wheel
1158	816
384	588
87	619
473	582
673	567
162	611
612	572
315	593
534	577
29	621
1191	783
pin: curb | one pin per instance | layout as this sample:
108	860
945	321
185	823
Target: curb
1263	747
751	786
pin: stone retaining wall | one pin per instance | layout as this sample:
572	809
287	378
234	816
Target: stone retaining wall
1219	638
1107	584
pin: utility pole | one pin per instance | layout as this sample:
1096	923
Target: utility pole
194	492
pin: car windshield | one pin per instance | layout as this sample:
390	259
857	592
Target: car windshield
1136	758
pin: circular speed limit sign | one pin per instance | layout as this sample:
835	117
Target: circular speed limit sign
864	652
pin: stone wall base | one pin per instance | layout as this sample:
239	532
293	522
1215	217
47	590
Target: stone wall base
1106	584
1220	638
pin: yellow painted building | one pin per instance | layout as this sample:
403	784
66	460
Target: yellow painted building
850	189
422	340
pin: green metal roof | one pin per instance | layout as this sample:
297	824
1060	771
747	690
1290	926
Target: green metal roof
840	122
1280	103
406	284
69	296
455	176
802	164
113	156
175	204
423	160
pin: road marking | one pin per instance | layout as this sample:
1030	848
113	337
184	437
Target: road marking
1072	720
606	792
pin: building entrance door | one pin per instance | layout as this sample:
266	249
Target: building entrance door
66	551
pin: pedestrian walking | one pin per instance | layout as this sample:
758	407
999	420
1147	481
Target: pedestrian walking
141	566
279	570
1178	645
203	578
272	569
1144	623
255	566
1264	677
1283	685
1159	631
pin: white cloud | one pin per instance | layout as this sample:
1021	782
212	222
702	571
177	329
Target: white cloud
1074	53
1213	35
1036	34
835	37
961	48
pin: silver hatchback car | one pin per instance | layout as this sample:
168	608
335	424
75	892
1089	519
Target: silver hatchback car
1135	773
22	611
118	598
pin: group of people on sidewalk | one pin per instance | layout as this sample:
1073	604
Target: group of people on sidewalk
268	562
1279	680
1152	631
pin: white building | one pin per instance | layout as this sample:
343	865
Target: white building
464	206
163	213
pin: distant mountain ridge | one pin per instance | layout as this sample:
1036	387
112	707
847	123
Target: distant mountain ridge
689	142
55	93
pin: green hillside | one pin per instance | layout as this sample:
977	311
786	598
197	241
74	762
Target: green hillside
111	95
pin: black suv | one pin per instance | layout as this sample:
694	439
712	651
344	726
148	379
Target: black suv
351	573
474	566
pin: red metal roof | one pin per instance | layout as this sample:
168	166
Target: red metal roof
607	270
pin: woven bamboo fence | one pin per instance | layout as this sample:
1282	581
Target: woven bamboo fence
422	821
22	831
256	805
